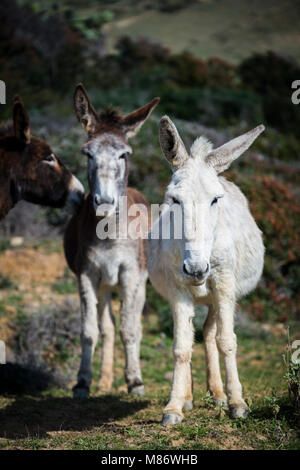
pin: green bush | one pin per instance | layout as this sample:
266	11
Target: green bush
270	76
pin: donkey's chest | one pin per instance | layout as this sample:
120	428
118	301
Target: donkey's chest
107	263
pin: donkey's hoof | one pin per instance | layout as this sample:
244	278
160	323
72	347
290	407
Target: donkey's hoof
238	411
220	402
82	393
188	405
171	419
139	390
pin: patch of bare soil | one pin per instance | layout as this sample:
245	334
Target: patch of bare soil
29	265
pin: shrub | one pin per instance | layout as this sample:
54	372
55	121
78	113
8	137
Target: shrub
271	75
277	212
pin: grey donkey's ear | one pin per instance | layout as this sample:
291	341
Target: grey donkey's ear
84	109
222	157
171	143
131	123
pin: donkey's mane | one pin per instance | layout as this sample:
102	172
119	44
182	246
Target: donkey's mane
110	116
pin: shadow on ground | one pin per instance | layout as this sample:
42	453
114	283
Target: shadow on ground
20	379
36	416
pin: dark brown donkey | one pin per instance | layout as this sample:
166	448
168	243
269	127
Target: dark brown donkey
30	170
106	265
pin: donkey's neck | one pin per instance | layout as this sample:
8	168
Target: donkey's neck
92	222
9	169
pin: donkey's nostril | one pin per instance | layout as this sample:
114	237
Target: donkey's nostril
197	273
184	269
200	273
97	199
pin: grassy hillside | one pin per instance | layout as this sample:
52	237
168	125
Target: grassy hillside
232	29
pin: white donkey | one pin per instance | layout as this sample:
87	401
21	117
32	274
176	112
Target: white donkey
214	264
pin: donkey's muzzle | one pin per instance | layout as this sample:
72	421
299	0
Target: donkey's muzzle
76	195
195	271
98	200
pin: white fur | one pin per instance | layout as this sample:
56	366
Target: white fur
229	242
201	147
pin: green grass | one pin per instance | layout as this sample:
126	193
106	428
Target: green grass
53	420
67	284
5	282
230	29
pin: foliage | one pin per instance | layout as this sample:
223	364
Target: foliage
5	282
66	285
170	6
271	204
271	76
4	244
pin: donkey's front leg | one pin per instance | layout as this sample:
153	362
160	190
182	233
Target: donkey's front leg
132	302
224	300
89	334
181	394
107	329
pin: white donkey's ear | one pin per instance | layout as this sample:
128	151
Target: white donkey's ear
222	157
171	143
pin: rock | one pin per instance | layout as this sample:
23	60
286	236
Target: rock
16	241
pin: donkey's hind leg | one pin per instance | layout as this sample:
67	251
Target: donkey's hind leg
226	340
213	374
107	329
89	334
188	404
132	303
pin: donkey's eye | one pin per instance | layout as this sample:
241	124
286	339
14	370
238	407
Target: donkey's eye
124	155
49	158
214	201
175	201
